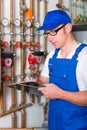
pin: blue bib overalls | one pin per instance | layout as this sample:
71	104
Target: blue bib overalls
64	115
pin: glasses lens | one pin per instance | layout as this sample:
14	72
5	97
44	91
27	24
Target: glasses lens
54	32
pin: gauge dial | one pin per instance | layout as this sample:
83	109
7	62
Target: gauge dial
5	22
17	22
28	23
37	24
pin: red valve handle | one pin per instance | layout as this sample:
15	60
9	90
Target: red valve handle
37	73
18	44
58	5
32	59
27	44
5	44
6	78
6	62
38	44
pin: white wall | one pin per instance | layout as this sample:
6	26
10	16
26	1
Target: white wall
81	36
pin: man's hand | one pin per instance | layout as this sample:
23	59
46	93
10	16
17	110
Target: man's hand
51	91
28	79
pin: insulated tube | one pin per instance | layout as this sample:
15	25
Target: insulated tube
1	83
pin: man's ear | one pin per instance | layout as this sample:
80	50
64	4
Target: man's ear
68	27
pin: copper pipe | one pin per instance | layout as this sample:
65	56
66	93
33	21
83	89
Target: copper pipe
38	9
37	18
22	62
13	116
31	29
45	39
22	118
22	49
1	99
15	109
45	49
60	1
12	67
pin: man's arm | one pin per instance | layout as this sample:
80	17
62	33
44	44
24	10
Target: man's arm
79	98
43	79
52	91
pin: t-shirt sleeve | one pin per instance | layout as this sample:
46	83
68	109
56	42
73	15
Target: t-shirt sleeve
45	70
82	70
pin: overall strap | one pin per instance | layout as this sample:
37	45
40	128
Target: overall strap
56	52
78	50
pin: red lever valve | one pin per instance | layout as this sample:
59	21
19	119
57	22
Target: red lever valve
5	44
6	78
6	62
18	44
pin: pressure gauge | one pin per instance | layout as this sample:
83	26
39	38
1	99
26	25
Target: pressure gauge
5	22
28	23
6	62
37	24
17	22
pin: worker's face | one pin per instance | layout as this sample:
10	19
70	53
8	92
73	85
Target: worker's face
57	36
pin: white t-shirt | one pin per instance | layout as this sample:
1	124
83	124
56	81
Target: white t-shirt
81	70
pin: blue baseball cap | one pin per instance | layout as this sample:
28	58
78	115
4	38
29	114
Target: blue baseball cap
53	19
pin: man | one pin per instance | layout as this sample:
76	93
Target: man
64	74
